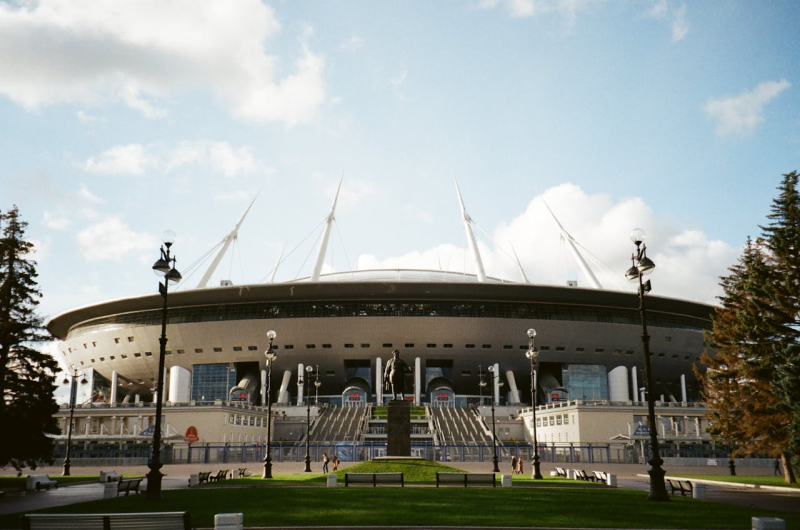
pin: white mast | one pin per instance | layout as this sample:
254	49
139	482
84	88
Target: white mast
226	242
519	264
323	246
473	246
277	263
578	257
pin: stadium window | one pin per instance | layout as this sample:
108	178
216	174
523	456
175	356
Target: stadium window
348	346
289	346
198	350
558	420
686	357
94	344
508	347
137	354
560	348
365	345
447	345
661	354
617	352
124	356
675	356
409	345
181	352
148	354
130	339
93	360
486	346
629	352
580	348
667	339
387	344
168	352
102	359
552	420
252	348
111	357
328	346
542	348
523	347
466	373
470	346
431	345
85	346
566	419
217	349
310	346
237	348
116	340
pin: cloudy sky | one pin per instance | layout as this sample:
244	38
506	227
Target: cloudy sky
124	118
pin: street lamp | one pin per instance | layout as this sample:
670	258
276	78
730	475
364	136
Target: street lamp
73	390
641	265
308	416
532	354
494	435
164	267
317	384
271	357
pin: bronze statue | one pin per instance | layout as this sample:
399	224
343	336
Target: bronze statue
395	375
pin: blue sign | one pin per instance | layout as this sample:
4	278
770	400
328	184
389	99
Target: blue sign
642	430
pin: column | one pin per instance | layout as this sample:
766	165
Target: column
379	381
683	388
301	376
417	380
114	385
635	384
496	382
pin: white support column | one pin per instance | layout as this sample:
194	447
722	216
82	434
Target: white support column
512	386
635	385
114	385
283	393
263	388
301	376
165	385
379	381
417	380
496	382
683	388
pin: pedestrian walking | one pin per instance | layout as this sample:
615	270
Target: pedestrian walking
520	461
335	462
324	462
778	467
513	464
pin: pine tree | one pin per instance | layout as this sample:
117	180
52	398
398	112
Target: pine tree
752	384
27	376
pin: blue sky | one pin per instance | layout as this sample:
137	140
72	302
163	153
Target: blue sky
123	119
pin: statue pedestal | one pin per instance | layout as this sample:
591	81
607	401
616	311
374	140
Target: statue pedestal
398	429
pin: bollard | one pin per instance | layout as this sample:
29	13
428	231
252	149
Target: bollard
505	481
768	523
110	490
699	491
229	521
611	480
194	479
332	480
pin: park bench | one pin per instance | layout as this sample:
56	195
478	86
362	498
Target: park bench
37	482
107	521
221	475
128	485
580	474
205	476
373	478
561	472
243	472
109	476
466	479
600	476
684	486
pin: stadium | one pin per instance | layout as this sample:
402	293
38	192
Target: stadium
449	328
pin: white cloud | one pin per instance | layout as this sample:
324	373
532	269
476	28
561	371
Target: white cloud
136	159
567	9
679	26
399	79
688	264
677	17
739	115
128	159
142	52
84	117
55	221
352	44
112	240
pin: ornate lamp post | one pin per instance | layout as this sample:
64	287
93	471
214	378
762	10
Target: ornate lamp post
271	357
532	354
308	417
73	390
641	265
494	435
317	384
165	267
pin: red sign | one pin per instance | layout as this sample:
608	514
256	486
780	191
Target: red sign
191	434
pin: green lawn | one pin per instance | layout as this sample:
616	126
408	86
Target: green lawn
762	480
453	506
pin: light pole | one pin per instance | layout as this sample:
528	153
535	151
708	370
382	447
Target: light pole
532	354
164	267
308	417
481	382
317	384
494	435
271	357
73	389
641	265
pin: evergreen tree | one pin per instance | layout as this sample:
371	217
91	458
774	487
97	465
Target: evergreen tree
27	376
752	384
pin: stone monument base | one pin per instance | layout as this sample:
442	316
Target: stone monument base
398	429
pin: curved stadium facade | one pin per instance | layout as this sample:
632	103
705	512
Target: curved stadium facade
448	326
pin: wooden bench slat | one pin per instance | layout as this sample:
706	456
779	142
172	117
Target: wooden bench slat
112	521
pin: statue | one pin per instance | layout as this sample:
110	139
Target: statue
395	375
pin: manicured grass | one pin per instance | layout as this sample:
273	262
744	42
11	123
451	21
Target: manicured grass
13	481
414	471
453	507
278	479
761	480
380	413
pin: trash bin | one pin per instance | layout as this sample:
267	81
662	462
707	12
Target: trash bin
229	521
332	480
505	481
110	490
768	523
699	491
